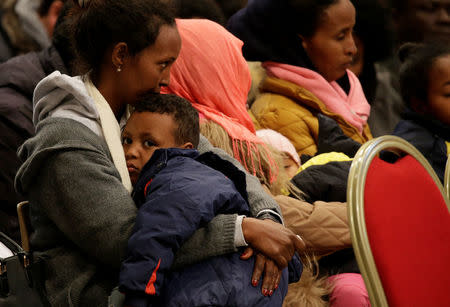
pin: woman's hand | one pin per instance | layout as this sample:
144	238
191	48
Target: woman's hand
263	265
272	240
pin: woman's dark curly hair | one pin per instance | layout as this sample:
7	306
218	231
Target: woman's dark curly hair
100	24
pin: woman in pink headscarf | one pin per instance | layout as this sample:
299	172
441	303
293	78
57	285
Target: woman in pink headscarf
213	75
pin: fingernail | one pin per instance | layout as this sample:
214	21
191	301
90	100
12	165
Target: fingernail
276	286
254	282
264	292
270	292
244	254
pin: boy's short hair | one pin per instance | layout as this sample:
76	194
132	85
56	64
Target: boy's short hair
417	60
184	114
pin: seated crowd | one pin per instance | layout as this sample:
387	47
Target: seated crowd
196	153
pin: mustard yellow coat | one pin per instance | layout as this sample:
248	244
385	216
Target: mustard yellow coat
292	111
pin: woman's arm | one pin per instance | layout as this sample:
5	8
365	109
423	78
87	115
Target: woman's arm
272	239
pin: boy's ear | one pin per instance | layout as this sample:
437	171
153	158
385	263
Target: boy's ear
187	145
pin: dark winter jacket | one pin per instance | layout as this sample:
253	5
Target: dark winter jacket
428	136
18	78
327	182
177	193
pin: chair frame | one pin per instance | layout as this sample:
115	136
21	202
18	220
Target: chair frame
355	197
447	177
23	214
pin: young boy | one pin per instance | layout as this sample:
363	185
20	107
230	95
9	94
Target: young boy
178	191
425	88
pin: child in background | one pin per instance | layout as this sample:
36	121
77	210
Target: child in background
278	141
177	191
425	88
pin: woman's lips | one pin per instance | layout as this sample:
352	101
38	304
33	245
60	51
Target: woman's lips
347	65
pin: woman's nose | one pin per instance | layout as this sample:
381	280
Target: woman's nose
165	78
351	48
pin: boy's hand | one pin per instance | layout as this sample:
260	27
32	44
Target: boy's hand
263	265
273	240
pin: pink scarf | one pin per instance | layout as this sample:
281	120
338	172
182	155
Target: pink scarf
353	107
213	75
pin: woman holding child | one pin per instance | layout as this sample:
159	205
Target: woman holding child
81	208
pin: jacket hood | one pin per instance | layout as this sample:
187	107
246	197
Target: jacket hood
60	95
162	156
159	160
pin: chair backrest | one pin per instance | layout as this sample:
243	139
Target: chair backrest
400	226
447	177
23	212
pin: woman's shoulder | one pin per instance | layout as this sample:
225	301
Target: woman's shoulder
282	95
65	133
63	96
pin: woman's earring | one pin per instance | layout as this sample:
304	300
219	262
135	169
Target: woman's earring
119	69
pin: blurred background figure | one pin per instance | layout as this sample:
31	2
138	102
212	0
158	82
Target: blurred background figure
413	21
229	7
421	20
425	85
18	78
26	25
216	10
208	9
374	41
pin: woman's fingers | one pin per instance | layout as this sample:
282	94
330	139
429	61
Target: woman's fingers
277	281
271	273
258	269
248	252
272	240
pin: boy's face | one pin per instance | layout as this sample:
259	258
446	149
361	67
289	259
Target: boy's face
439	89
143	134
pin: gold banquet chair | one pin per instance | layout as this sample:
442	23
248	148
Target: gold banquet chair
447	177
400	225
23	213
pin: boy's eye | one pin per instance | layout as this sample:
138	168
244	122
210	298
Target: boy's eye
126	141
148	143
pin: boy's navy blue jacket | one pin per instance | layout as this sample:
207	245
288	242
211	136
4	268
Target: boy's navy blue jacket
428	136
177	193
